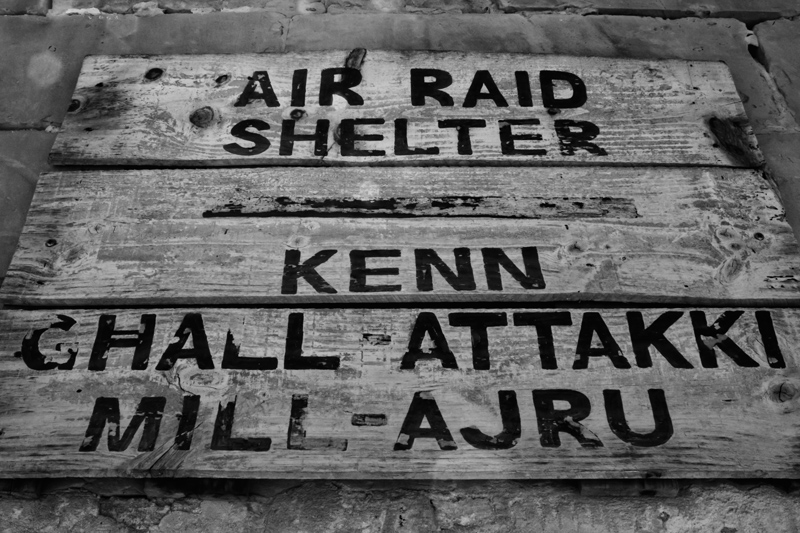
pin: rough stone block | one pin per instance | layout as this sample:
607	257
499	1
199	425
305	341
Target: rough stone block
213	515
123	7
693	39
43	56
748	11
424	7
24	7
337	7
782	151
284	7
147	8
138	514
23	156
448	6
631	488
501	506
41	60
779	42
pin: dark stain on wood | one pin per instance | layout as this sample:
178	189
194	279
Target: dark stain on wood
377	339
369	420
437	206
95	102
356	58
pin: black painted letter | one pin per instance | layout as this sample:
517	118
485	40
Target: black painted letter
401	141
187	422
462	126
239	130
546	79
421	88
493	258
593	323
293	356
359	271
150	410
289	137
349	78
770	340
570	139
348	137
192	324
35	359
423	406
714	336
653	335
299	80
507	138
523	88
552	421
232	360
223	429
512	427
484	79
141	340
616	419
250	93
293	270
427	323
425	258
478	323
544	322
297	439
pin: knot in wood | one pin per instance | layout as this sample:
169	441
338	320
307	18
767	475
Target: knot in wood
153	74
783	391
203	117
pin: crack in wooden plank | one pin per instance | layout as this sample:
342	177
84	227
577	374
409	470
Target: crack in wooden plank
532	207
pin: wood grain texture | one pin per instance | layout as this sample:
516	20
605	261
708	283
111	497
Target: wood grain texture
647	112
729	421
141	237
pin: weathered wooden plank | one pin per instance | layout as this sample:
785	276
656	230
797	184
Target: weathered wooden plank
723	383
364	108
155	237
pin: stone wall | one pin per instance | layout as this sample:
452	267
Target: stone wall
44	44
373	507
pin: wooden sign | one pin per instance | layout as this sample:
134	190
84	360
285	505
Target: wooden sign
403	108
417	393
285	236
620	304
